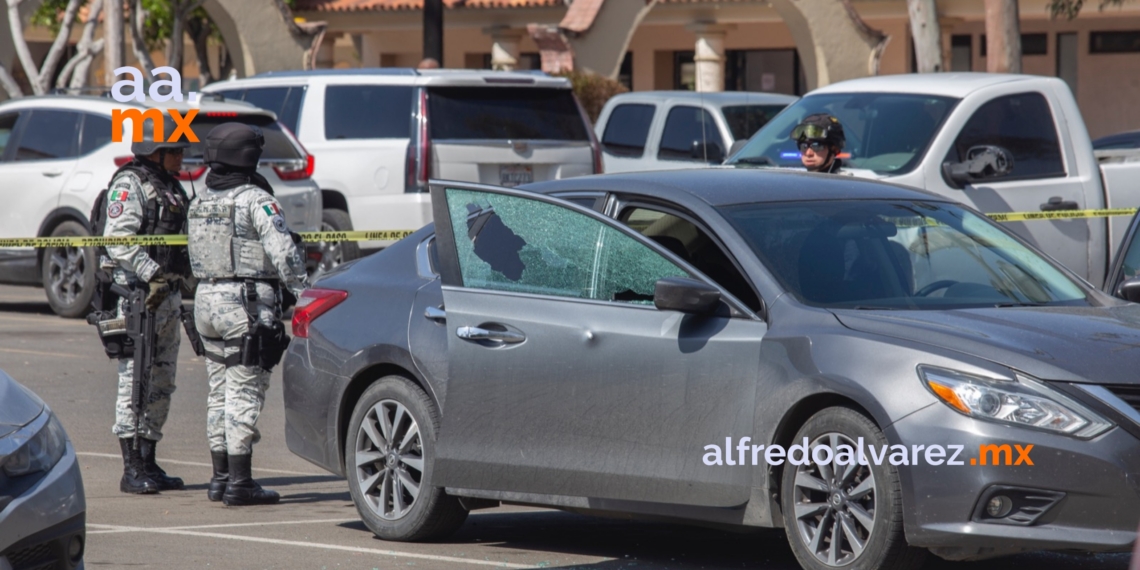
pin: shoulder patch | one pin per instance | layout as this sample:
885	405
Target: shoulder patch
115	210
279	224
271	209
119	195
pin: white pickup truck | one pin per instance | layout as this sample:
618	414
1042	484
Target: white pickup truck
1001	143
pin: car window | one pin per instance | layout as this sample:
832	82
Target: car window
509	243
1022	124
497	113
744	120
277	143
689	242
627	129
96	133
1130	265
284	101
49	135
7	125
368	112
684	127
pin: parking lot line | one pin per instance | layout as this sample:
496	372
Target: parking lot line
40	353
200	464
111	528
394	553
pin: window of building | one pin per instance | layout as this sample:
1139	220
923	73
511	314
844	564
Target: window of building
1031	44
961	53
684	71
367	112
765	70
685	127
627	129
1114	42
625	74
1022	124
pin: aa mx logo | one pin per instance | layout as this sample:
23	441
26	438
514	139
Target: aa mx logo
155	115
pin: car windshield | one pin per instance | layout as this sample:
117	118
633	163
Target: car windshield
886	132
277	143
745	120
897	254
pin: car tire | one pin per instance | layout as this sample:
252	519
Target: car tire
382	475
68	273
862	506
334	253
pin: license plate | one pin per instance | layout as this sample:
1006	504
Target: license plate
515	174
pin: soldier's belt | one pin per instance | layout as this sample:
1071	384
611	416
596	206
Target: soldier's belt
393	235
95	241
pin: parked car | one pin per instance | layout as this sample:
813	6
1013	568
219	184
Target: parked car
58	155
42	505
1000	143
580	344
1119	141
382	133
665	130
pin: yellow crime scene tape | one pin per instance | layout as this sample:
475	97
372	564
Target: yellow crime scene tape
95	241
393	235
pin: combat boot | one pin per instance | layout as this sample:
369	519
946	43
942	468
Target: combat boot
152	470
135	480
221	475
242	490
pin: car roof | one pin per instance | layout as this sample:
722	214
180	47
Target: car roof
948	84
717	98
400	76
207	104
727	186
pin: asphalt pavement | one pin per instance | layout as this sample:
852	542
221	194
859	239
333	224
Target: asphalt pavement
316	524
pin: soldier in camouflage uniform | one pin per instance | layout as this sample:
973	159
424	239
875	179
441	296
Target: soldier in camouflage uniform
144	199
243	252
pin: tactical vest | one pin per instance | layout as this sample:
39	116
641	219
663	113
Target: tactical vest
164	214
216	249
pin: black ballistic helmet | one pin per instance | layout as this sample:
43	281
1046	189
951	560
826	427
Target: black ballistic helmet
234	144
148	145
820	127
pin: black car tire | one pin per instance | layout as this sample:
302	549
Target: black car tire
68	273
885	546
433	514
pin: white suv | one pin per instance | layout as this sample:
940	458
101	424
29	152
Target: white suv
56	155
382	133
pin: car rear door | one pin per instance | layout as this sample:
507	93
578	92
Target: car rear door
39	160
686	126
563	378
507	135
625	136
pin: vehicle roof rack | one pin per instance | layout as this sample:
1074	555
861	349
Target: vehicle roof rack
405	71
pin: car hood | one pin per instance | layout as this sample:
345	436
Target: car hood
18	405
1098	345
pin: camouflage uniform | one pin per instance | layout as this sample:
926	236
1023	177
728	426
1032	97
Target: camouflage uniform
127	200
237	392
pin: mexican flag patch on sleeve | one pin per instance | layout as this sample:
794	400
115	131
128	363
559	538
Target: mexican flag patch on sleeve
271	210
119	195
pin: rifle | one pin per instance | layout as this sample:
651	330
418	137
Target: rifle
141	332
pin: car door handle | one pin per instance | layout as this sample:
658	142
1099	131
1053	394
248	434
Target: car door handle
478	333
435	314
52	173
1056	203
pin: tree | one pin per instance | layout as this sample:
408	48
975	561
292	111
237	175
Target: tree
1070	8
41	78
927	35
1003	37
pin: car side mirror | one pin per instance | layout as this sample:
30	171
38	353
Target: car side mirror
736	146
709	151
685	295
982	162
1129	290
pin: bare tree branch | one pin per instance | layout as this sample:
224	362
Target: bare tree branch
83	48
138	44
47	72
21	46
199	30
79	76
9	84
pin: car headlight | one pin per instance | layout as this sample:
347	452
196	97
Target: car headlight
1022	402
40	453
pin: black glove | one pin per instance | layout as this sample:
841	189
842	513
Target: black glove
296	237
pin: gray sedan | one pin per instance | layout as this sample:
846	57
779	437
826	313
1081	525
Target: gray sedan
881	371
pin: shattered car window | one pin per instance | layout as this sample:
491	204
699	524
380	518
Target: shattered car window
508	243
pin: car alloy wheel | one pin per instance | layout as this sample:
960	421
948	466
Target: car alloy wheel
68	273
389	460
835	505
66	266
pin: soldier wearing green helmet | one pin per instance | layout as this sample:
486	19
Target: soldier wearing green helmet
820	139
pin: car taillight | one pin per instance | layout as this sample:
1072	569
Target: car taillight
296	169
121	160
192	174
417	161
312	304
